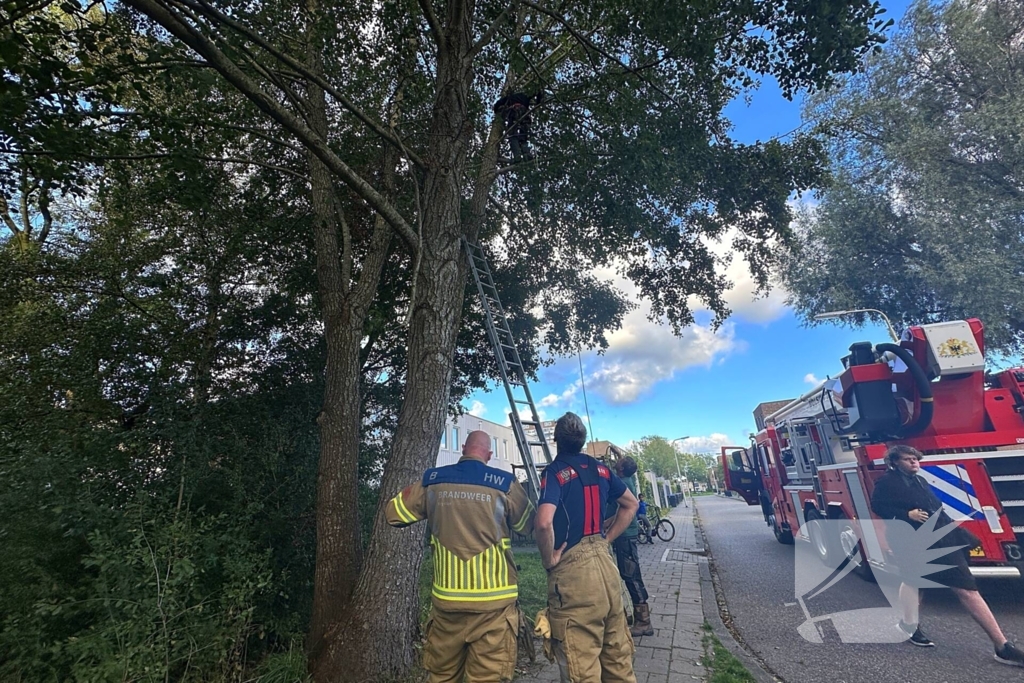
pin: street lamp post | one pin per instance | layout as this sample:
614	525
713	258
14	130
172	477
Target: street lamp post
679	471
840	314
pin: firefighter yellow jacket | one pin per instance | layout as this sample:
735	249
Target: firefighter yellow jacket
469	508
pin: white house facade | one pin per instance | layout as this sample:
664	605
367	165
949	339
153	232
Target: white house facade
503	442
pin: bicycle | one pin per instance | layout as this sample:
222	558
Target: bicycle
655	525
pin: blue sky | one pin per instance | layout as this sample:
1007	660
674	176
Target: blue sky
703	385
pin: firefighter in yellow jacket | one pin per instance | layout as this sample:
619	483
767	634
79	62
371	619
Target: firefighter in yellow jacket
469	508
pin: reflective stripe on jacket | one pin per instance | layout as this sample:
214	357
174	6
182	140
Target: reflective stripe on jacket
470	509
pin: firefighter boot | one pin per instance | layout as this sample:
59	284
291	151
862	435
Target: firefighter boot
641	621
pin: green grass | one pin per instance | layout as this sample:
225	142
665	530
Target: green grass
721	665
283	667
533	585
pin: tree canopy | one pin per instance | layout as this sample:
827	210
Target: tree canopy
234	299
925	216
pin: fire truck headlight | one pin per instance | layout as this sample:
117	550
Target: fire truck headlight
992	517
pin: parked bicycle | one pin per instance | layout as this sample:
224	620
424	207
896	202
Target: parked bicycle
655	525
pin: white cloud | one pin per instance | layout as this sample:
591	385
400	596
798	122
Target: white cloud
704	444
644	352
524	414
477	409
565	397
809	378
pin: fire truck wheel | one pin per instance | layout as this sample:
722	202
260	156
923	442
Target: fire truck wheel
783	537
822	544
850	546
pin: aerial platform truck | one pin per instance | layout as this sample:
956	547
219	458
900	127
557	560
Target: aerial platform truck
818	457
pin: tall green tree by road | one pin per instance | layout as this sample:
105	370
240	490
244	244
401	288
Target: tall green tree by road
658	455
925	217
383	110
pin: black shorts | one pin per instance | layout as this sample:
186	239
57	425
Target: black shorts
956	575
959	573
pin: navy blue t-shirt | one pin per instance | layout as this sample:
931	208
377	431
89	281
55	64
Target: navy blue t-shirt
581	487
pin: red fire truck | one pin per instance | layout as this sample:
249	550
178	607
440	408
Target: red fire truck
818	456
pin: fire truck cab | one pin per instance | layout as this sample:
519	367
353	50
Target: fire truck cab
819	456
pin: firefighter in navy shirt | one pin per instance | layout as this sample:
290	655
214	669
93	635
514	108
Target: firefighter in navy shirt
589	633
470	509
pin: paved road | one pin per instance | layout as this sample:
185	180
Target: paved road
756	575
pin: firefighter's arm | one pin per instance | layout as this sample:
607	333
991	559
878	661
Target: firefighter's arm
544	533
624	516
521	512
545	536
408	507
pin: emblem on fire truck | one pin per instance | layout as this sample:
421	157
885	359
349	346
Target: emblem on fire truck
956	348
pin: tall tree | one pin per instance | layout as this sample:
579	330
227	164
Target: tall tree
657	454
389	105
925	217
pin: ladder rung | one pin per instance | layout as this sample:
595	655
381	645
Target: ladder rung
537	443
525	403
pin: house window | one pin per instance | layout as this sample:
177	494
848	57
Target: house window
504	448
455	439
494	445
444	438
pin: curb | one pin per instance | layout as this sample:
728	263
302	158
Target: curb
713	601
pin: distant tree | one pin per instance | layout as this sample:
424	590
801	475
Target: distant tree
694	466
926	212
656	455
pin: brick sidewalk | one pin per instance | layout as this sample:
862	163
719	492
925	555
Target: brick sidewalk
672	576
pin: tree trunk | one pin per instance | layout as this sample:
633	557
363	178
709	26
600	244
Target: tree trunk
374	642
339	546
345	305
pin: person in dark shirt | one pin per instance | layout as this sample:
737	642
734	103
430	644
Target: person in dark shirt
904	495
627	555
514	110
589	632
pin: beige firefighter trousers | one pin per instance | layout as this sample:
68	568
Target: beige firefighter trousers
589	633
478	646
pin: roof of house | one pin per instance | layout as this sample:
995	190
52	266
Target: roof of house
603	449
763	410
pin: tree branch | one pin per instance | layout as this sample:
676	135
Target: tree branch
43	205
432	22
346	245
300	68
586	42
19	13
489	32
161	155
191	37
5	213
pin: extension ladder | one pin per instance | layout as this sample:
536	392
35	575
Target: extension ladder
510	366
